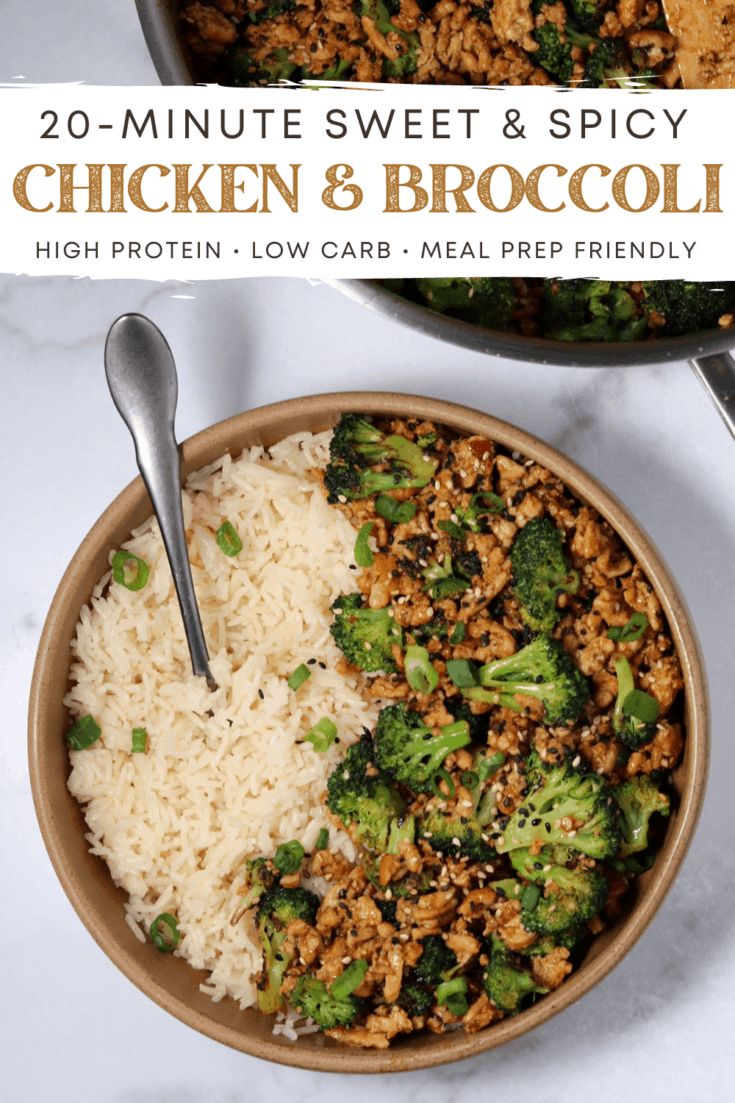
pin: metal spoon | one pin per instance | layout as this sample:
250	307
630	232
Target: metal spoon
141	375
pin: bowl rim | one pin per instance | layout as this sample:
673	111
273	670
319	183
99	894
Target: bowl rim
319	411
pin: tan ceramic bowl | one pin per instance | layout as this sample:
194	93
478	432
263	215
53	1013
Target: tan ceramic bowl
169	980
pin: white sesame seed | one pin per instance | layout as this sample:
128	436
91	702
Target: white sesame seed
341	498
388	894
346	960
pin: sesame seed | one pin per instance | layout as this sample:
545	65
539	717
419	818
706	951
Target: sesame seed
346	960
341	498
261	695
388	894
576	760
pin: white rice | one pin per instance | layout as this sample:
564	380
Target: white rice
174	824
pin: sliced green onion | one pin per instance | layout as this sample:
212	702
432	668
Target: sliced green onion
289	856
421	674
349	980
322	839
628	633
129	570
322	735
165	933
458	632
641	706
139	741
530	897
486	499
488	766
228	539
462	673
446	777
83	733
452	529
395	512
427	440
300	675
363	551
453	994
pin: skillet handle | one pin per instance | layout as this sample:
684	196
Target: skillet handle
717	372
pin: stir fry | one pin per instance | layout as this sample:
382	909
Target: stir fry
517	780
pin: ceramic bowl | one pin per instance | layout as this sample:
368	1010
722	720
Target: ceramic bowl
169	980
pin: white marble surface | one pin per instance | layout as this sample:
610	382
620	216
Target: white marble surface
73	1029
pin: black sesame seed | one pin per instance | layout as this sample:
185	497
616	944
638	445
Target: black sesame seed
261	695
535	822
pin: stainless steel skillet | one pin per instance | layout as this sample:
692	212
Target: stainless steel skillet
707	352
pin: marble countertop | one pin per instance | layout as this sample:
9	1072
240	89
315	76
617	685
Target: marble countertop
74	1029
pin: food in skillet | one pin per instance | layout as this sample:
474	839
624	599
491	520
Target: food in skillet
431	782
588	43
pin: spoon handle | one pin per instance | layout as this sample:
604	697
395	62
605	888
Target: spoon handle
141	375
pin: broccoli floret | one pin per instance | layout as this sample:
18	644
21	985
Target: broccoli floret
687	307
566	808
357	446
363	798
635	713
587	14
340	69
607	65
445	580
484	301
571	898
543	670
277	908
590	310
313	998
582	891
456	835
270	11
415	1000
481	505
437	962
506	983
277	66
570	939
407	750
365	637
554	54
260	876
436	629
541	572
638	799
